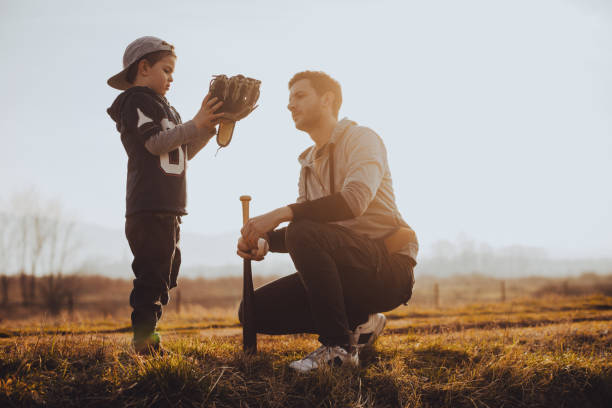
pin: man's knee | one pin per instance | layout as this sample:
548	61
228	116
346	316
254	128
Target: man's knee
299	233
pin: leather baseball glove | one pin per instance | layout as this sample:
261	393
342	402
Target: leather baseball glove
239	95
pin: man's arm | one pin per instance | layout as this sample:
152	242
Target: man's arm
325	209
276	240
363	177
258	227
365	171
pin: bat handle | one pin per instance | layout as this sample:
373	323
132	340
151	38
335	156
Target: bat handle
245	208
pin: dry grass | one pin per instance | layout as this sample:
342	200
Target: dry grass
552	352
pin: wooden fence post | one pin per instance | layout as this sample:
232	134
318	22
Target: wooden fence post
436	295
70	304
503	291
178	301
5	290
23	285
565	288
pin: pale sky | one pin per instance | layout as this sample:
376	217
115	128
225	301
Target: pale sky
496	114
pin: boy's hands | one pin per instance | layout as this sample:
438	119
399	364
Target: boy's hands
206	116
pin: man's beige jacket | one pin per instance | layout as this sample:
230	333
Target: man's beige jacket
361	175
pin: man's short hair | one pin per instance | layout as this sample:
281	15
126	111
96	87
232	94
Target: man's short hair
322	83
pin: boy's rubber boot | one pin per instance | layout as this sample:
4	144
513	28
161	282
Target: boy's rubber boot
150	345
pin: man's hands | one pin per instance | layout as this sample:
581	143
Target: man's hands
255	254
256	228
206	116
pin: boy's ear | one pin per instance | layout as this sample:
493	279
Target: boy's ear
143	67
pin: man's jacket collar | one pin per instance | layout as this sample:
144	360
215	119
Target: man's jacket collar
307	156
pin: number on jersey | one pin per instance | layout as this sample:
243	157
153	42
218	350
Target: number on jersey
172	162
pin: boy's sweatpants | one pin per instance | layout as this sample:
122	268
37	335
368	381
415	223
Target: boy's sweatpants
341	278
154	241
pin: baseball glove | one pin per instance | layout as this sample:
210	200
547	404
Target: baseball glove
239	95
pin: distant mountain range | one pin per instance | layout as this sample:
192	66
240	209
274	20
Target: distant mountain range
111	244
105	251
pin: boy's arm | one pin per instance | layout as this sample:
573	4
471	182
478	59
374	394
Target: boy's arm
194	147
187	133
144	119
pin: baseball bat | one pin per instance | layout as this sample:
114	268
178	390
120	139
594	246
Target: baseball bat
249	336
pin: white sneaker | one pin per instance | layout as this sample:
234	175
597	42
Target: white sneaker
366	333
332	356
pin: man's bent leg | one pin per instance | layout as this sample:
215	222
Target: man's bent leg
314	248
376	290
281	307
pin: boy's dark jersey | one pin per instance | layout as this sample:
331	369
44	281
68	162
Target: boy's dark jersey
154	183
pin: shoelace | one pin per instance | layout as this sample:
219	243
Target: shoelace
315	354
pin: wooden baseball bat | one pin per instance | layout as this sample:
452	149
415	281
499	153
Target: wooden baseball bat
249	336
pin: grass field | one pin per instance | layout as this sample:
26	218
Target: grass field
549	352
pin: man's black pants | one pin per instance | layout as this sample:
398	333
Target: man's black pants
341	278
154	241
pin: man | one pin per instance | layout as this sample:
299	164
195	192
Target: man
353	252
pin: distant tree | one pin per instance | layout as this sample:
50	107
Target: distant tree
5	249
44	238
23	285
4	281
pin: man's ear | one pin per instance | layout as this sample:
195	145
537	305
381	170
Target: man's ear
328	99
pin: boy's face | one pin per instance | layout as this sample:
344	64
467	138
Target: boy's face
159	76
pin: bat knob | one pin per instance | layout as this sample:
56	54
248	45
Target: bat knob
245	198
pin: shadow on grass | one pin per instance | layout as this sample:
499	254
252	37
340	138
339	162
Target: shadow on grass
454	327
437	356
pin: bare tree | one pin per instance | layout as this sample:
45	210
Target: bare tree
44	240
37	245
20	209
58	288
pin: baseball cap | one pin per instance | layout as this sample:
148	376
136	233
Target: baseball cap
135	51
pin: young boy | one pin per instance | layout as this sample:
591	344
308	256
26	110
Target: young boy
158	146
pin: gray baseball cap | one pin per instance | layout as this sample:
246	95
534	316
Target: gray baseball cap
135	51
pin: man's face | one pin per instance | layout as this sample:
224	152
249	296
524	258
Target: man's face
160	75
305	105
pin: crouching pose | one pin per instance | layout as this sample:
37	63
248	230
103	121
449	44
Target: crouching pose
353	252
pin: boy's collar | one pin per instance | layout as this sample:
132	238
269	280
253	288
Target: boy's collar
148	90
